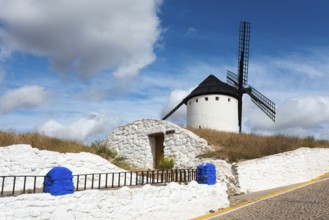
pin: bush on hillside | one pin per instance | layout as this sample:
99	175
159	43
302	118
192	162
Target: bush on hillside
166	163
103	151
122	162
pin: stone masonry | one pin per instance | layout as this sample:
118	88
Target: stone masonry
134	141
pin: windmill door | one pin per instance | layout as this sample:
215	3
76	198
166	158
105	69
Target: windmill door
157	148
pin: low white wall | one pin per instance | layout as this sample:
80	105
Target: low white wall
22	159
223	172
147	202
282	169
173	201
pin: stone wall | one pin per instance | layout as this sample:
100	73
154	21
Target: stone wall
173	201
134	141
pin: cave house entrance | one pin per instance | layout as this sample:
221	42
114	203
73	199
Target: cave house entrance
156	142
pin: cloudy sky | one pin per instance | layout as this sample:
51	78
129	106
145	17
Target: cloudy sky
79	69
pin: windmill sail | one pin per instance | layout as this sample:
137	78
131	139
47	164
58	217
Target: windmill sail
175	109
236	85
240	81
232	79
243	62
243	59
265	104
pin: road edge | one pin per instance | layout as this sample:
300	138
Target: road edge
267	196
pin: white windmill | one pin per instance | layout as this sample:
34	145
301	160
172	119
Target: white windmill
218	105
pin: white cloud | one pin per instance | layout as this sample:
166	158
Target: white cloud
190	31
324	134
88	128
304	67
24	97
297	83
307	115
83	36
302	104
175	97
309	63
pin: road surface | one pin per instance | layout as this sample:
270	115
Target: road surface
309	202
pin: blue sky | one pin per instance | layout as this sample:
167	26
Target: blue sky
79	69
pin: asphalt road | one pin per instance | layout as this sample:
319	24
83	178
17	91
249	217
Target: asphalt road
309	202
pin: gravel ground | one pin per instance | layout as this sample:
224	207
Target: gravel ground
309	202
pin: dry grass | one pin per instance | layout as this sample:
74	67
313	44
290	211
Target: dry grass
43	142
228	146
234	147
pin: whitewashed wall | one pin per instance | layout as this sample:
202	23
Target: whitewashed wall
173	201
224	172
166	202
221	114
22	159
282	169
268	172
132	141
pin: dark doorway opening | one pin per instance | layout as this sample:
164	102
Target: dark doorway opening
156	141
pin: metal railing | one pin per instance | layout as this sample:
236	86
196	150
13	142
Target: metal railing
21	184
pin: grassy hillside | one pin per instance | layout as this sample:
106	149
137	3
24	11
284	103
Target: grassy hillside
234	147
43	142
229	146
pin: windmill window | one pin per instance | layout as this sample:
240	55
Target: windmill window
206	98
196	100
217	98
190	102
229	99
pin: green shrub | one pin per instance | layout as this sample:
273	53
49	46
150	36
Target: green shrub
166	163
309	141
103	151
122	163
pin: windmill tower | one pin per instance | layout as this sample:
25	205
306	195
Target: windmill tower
218	105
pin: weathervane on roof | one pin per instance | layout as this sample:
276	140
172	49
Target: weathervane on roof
217	105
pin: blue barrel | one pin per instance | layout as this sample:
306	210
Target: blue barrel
59	181
206	174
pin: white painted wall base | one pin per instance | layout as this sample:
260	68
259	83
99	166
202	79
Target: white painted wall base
269	172
282	169
273	171
22	159
173	201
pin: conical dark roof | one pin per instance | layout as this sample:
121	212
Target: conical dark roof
212	85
